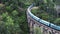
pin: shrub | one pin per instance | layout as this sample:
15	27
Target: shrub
44	16
15	12
57	21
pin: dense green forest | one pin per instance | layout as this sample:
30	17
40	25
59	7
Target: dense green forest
13	16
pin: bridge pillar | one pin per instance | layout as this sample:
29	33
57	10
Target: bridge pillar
31	27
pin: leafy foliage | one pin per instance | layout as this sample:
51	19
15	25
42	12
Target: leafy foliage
13	17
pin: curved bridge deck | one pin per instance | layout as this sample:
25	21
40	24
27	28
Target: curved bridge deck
46	27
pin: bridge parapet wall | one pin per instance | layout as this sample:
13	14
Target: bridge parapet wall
45	27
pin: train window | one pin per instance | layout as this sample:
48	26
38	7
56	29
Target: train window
59	14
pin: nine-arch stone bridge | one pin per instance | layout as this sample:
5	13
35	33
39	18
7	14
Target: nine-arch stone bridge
46	27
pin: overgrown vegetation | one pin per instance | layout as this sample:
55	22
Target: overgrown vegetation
13	16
